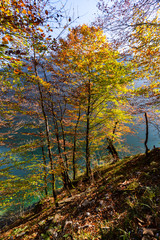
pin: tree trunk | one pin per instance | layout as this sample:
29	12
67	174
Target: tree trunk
47	136
111	147
48	146
146	140
64	144
65	177
74	145
45	172
88	167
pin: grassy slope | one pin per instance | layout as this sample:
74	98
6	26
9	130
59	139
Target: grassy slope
120	201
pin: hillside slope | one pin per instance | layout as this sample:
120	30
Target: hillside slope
120	201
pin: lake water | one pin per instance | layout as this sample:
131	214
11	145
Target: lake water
136	141
135	144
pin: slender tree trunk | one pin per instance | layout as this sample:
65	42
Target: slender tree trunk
63	133
48	145
45	172
47	136
111	147
146	140
65	177
74	145
88	167
67	181
64	144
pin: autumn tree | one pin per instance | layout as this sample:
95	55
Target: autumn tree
120	17
133	27
26	42
103	79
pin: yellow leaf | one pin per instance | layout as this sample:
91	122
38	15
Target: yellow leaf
40	29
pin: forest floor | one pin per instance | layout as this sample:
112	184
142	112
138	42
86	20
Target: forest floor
121	200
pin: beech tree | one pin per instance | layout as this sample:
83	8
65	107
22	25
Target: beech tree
102	77
120	17
134	28
145	49
26	41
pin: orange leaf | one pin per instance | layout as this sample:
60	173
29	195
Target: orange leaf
9	38
22	3
16	71
24	11
4	40
40	29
